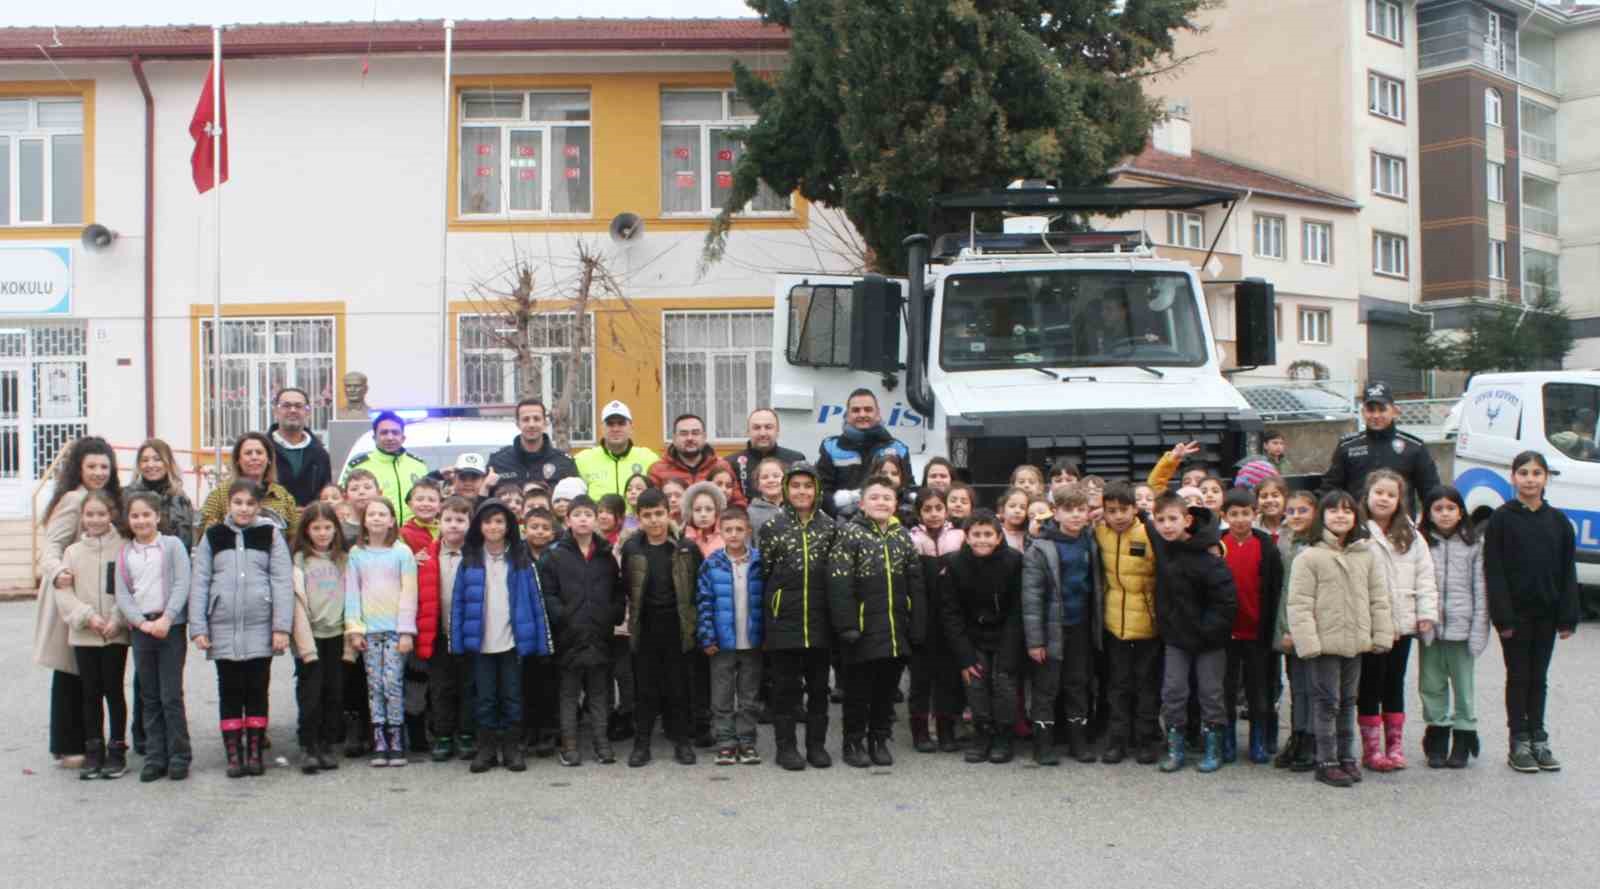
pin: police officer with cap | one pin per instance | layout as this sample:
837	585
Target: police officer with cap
1380	446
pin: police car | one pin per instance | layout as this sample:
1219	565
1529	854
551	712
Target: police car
1552	412
437	436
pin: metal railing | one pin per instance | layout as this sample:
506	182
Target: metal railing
1425	412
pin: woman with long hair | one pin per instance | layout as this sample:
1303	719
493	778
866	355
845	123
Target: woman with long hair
253	459
156	471
89	465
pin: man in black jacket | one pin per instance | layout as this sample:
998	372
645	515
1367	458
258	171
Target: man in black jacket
844	459
1380	446
531	457
303	465
763	443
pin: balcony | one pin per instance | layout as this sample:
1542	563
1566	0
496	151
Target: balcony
1539	206
1536	74
1539	220
1538	148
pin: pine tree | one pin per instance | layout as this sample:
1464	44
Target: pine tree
885	104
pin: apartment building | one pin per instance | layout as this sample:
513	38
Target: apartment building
363	223
1324	93
1509	111
1301	238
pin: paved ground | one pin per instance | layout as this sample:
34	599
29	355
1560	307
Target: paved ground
931	820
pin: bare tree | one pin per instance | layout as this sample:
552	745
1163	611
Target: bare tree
572	290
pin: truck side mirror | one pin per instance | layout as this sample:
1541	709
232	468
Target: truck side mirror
1255	323
875	324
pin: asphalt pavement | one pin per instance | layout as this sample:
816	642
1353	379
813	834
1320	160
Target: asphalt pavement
931	820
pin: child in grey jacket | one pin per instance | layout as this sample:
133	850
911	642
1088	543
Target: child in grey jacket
152	589
1448	664
241	611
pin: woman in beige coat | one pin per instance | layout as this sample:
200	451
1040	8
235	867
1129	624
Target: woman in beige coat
1338	610
89	465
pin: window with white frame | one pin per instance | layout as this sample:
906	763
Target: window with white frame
1269	236
1389	254
1492	113
1316	243
1386	19
1316	326
1186	229
1497	259
719	366
525	154
1497	182
41	161
490	373
699	152
261	356
1389	175
1386	97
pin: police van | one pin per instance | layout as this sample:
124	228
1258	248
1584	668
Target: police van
1552	412
436	436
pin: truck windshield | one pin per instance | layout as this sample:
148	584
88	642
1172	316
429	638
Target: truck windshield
1059	318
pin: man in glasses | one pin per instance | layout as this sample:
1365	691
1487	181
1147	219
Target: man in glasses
303	465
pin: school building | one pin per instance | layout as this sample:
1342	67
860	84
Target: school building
373	212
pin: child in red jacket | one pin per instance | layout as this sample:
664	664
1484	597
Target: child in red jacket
450	718
421	533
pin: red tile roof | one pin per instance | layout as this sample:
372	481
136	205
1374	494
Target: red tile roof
1200	168
309	38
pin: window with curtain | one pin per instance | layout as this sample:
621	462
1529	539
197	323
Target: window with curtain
1269	236
699	151
719	366
41	161
525	154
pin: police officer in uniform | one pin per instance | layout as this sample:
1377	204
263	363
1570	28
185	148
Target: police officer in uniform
1380	446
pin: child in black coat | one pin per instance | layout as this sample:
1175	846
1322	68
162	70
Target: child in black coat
980	588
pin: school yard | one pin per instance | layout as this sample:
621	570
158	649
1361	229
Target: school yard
930	821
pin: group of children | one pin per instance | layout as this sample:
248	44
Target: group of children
1076	607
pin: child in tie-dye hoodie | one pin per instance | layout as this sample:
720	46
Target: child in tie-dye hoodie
380	620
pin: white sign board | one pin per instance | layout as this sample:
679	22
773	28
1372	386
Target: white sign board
35	280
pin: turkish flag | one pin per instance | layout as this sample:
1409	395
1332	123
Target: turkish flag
202	128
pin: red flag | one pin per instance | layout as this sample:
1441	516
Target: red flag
202	128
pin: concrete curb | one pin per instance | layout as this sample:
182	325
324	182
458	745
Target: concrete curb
18	594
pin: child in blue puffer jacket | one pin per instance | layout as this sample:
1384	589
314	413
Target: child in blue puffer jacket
728	600
497	615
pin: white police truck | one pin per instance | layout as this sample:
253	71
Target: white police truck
1027	345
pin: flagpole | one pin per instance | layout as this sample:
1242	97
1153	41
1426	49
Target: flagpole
216	233
444	227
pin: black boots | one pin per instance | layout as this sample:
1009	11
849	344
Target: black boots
1000	750
855	753
1463	745
621	726
982	741
511	752
488	747
1299	755
1044	747
817	742
1078	741
1436	745
641	751
116	760
946	727
1285	756
921	740
783	732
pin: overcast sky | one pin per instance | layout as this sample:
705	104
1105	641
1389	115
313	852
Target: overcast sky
166	12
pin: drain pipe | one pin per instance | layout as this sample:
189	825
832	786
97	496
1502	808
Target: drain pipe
149	246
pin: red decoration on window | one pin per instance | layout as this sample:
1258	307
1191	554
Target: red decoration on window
485	172
724	179
725	154
685	179
527	175
571	151
574	172
681	153
485	149
524	151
